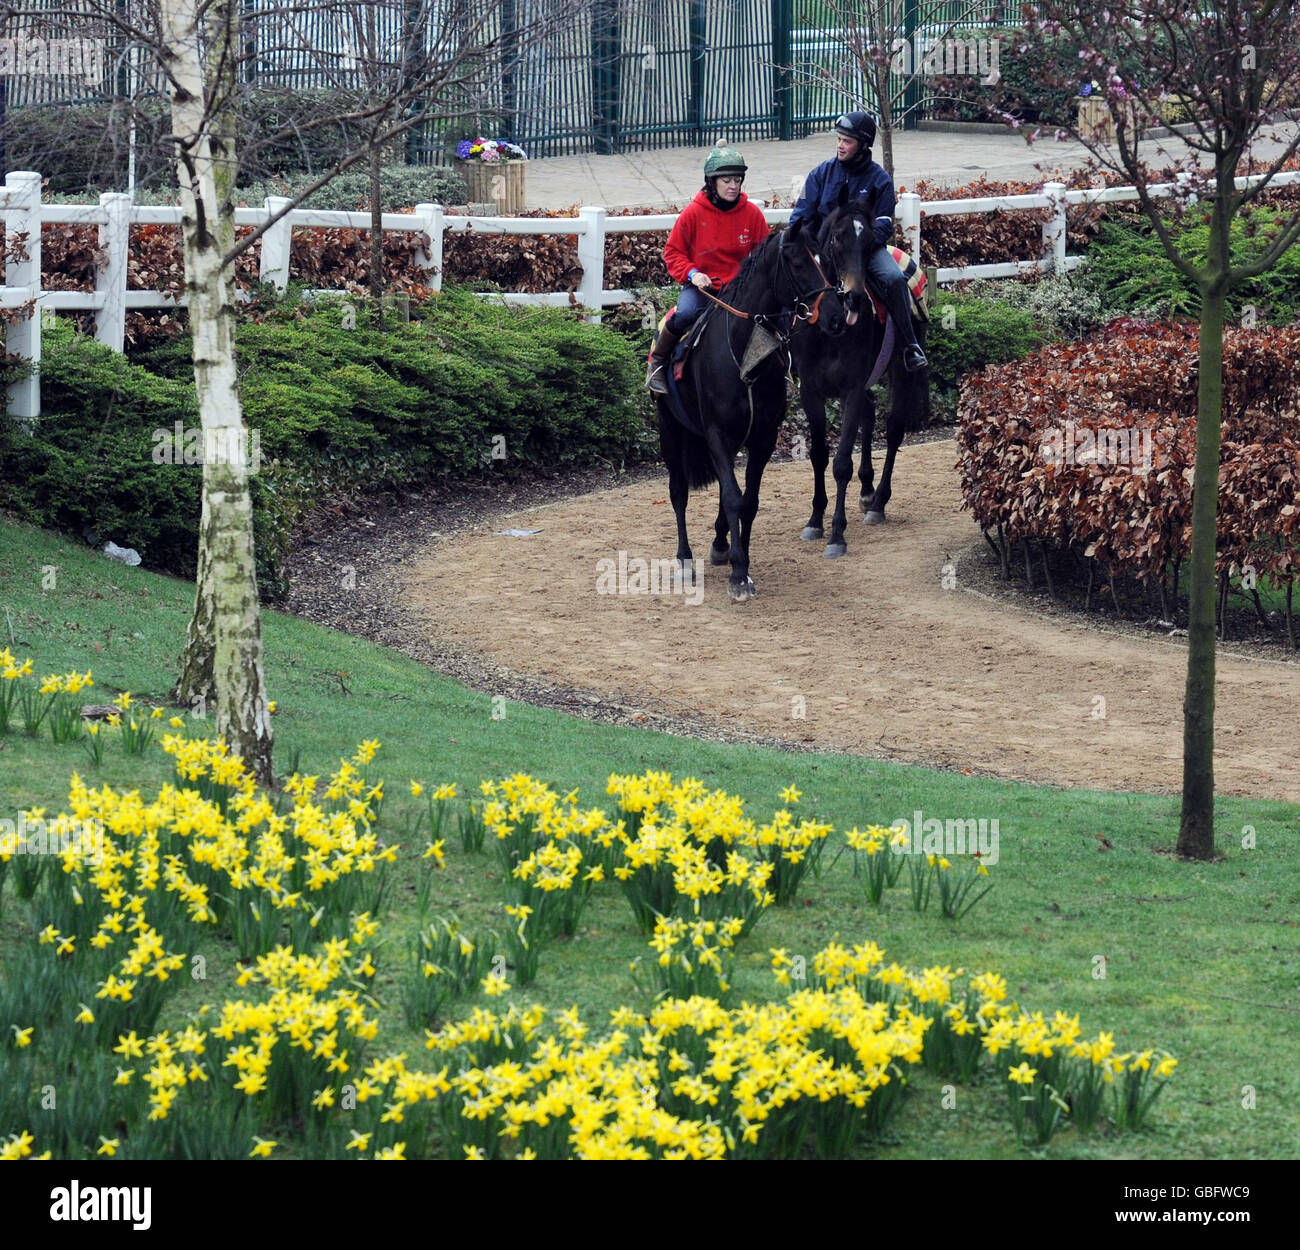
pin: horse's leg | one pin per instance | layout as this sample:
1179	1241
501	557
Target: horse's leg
679	490
895	431
867	469
761	446
739	587
720	551
850	422
671	446
814	405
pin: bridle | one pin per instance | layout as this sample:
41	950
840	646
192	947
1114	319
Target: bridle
802	310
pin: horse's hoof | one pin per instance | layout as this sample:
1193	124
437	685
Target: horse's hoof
875	518
864	503
811	533
835	550
717	556
742	592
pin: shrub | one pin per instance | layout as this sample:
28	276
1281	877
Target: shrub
1025	68
1089	447
967	333
1129	272
1063	306
334	410
83	147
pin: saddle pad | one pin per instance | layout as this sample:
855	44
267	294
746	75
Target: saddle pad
916	286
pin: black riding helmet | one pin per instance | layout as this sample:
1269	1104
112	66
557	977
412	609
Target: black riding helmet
858	125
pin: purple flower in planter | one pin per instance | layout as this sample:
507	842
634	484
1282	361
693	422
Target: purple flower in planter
462	149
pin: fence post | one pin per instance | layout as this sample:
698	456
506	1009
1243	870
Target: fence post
430	254
23	338
783	67
1054	228
910	216
110	280
277	243
591	254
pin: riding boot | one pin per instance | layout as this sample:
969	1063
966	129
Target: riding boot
656	378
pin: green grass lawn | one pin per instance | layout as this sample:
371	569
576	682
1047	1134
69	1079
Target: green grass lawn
1202	960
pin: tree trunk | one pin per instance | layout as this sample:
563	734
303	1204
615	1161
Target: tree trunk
1196	830
376	235
224	642
885	122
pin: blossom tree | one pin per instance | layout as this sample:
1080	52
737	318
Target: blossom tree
1234	67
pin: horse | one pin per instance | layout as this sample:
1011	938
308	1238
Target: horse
844	367
780	281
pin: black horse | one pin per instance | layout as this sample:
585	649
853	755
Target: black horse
842	367
780	285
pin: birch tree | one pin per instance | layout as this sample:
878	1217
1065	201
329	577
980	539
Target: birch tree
448	52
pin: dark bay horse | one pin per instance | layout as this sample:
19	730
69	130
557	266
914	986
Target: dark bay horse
780	285
841	368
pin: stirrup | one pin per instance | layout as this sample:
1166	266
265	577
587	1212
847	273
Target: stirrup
655	382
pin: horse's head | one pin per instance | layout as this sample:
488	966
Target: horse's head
846	240
803	283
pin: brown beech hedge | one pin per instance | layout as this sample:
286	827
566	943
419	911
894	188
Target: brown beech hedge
1088	448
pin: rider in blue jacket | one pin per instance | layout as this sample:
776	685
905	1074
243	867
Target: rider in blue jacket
853	168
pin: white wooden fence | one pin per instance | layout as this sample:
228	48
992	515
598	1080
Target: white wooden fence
23	213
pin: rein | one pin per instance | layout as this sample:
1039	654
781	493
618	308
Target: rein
809	313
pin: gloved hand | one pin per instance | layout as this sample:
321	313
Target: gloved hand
701	280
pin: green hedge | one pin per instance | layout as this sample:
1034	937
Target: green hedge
967	332
336	410
1129	271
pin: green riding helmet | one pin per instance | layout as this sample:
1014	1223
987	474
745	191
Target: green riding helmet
725	161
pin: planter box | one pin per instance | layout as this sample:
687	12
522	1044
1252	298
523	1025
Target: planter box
1095	122
502	183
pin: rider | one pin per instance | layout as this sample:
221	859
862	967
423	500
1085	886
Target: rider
714	233
853	168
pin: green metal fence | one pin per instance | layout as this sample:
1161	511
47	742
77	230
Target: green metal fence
620	76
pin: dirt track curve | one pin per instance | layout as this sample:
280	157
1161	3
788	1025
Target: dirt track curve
887	662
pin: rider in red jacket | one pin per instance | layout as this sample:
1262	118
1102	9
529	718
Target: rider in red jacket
714	233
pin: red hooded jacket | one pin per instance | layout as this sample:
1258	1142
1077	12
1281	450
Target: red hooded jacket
713	241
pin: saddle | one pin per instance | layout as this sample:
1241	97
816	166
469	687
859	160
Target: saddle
685	343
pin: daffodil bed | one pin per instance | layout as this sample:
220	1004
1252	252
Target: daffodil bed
294	1063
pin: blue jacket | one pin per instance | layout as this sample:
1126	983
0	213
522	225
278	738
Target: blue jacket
821	192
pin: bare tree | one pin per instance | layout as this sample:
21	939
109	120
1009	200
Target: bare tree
448	52
883	55
1235	67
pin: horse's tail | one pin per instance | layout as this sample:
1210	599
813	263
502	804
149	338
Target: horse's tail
911	398
686	450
